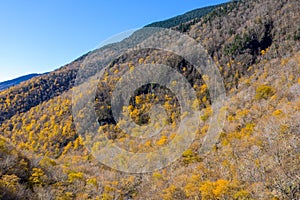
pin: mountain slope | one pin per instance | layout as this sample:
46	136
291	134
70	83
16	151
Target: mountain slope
187	17
255	45
6	84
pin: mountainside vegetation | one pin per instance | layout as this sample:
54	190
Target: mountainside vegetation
16	81
255	45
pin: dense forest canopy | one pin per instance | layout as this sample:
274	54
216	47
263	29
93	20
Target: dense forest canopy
255	46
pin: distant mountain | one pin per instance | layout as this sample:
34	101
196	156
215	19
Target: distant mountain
6	84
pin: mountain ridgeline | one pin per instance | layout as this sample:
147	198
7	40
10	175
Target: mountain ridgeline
184	20
255	45
6	84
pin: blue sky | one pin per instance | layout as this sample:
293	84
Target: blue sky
40	36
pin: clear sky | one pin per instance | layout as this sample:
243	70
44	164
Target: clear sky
40	36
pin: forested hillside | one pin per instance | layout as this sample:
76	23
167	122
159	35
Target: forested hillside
16	81
255	45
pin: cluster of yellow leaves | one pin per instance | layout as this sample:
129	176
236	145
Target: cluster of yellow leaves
222	189
264	92
207	113
277	112
189	156
37	177
163	140
10	182
141	61
75	176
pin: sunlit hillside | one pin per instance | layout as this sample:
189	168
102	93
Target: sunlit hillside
255	45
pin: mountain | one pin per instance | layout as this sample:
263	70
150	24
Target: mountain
179	21
6	84
254	44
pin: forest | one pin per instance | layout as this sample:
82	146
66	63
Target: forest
255	45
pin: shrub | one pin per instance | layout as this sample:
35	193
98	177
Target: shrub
264	92
37	177
75	176
189	156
